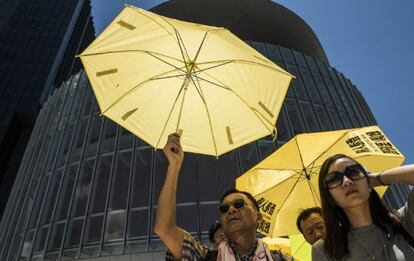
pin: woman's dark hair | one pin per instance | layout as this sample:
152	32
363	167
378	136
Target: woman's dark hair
336	222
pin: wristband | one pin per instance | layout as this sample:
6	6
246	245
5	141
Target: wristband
379	179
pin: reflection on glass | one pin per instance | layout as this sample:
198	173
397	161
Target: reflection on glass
101	184
120	181
56	236
115	225
94	229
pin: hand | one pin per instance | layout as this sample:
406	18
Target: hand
173	151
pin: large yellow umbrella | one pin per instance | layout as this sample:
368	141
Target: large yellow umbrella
286	182
155	75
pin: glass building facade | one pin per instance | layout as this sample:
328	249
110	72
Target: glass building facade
38	43
88	189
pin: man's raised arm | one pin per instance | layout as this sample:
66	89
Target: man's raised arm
165	226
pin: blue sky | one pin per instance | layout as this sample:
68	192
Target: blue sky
370	41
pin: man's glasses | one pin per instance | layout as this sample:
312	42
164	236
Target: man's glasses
352	172
224	207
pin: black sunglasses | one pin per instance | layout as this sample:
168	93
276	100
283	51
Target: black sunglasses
336	178
224	207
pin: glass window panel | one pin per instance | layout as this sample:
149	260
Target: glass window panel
93	136
108	139
311	87
125	139
77	103
229	170
120	181
283	131
297	84
78	142
138	223
53	149
87	103
64	149
310	118
208	182
51	197
287	55
322	68
141	177
115	225
208	214
56	236
101	186
312	64
38	203
66	192
295	117
326	97
274	53
74	233
94	229
300	59
323	117
27	244
260	47
82	189
335	118
345	119
248	156
266	148
187	186
333	89
187	218
40	240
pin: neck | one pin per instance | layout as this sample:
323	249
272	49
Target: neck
359	216
243	243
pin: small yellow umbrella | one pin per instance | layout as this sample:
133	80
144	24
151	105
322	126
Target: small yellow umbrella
300	249
155	75
278	243
286	182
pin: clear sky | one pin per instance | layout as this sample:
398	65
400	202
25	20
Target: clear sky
370	41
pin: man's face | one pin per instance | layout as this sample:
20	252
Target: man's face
313	228
240	219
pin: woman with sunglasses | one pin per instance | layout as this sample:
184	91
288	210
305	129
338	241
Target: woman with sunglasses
358	225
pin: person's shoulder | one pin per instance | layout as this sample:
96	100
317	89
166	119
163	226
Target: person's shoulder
194	249
318	252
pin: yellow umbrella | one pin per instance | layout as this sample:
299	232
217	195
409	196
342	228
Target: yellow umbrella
155	75
286	182
278	243
300	249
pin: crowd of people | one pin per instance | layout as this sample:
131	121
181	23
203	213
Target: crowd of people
352	223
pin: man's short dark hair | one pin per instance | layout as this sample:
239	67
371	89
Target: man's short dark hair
248	195
305	214
213	229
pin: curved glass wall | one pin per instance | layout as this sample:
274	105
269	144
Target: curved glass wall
86	187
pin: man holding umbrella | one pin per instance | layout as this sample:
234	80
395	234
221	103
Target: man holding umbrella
239	215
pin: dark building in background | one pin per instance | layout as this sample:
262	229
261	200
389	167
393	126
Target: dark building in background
86	188
38	43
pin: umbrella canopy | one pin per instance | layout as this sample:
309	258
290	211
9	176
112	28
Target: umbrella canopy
278	243
286	182
300	249
155	75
